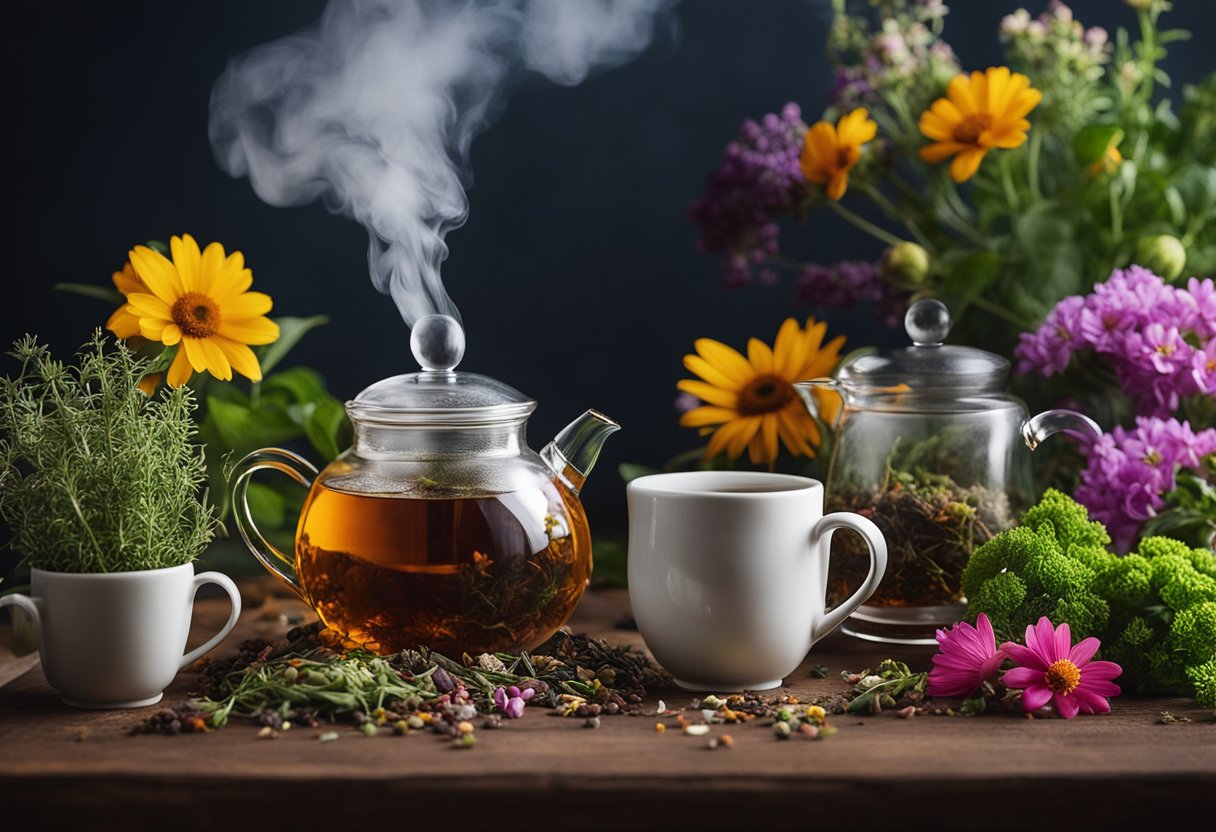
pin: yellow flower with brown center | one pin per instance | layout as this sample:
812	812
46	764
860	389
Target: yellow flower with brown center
200	300
752	401
830	151
981	111
124	323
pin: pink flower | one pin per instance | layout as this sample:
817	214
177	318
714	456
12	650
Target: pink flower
1051	669
967	657
511	700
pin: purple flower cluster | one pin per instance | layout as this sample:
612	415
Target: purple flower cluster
1160	339
1130	471
511	700
758	180
848	282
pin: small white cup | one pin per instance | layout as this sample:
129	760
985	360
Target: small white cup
115	640
728	574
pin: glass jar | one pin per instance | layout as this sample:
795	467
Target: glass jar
930	446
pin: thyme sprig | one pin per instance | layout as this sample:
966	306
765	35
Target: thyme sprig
95	476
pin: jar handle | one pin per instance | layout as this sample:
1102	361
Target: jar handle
294	466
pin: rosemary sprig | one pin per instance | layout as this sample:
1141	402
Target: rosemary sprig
327	687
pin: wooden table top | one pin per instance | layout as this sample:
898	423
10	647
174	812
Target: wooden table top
989	771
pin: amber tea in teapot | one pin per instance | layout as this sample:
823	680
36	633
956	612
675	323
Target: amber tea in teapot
439	527
478	574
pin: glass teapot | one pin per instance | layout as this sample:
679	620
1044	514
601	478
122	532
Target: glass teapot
439	526
928	446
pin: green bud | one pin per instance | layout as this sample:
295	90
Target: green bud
1161	254
906	265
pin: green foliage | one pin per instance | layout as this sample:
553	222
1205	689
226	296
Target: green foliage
1110	162
284	407
1203	677
94	475
1154	610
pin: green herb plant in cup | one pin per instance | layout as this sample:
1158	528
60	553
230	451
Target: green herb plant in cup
101	488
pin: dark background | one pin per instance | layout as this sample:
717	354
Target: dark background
576	274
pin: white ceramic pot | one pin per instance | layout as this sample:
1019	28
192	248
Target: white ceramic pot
116	640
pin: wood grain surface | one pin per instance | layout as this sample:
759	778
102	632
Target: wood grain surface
61	767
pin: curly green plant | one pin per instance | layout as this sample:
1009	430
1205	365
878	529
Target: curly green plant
95	476
1154	610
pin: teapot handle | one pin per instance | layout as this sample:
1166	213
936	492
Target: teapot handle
294	466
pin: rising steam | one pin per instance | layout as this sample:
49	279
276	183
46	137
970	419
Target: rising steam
373	109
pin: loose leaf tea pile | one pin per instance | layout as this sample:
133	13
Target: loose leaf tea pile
931	524
310	677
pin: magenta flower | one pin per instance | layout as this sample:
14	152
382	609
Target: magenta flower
967	657
1052	669
511	700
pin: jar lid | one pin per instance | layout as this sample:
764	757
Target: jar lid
929	364
438	395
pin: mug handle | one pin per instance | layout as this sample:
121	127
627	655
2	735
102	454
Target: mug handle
294	466
234	595
821	538
31	606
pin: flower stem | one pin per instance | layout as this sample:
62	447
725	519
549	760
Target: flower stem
998	311
1032	165
864	224
1011	193
892	211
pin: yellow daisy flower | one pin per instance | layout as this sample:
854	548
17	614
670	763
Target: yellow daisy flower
830	151
200	300
124	323
981	111
753	400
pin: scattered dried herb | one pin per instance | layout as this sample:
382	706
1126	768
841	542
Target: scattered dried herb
310	677
1168	718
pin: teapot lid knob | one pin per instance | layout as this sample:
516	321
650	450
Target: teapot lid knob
437	342
927	322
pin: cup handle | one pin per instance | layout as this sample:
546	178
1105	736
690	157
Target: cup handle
234	595
31	607
821	538
296	467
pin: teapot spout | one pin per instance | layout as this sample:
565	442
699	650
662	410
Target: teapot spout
1038	428
572	454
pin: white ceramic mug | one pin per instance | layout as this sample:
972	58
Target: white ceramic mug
728	574
116	639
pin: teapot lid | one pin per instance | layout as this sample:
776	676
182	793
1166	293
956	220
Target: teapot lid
438	394
929	364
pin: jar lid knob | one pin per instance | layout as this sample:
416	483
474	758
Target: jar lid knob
927	322
437	342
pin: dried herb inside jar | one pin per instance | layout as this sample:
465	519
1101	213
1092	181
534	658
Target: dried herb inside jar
931	525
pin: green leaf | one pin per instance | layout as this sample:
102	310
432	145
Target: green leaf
160	247
630	471
267	505
241	428
300	384
90	291
291	330
326	428
968	278
1092	143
